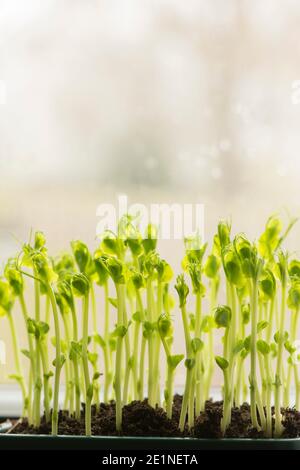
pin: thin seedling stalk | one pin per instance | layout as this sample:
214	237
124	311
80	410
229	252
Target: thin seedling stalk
197	373
294	323
106	349
190	364
297	382
141	386
96	387
270	320
38	378
127	355
170	378
185	400
16	350
46	376
75	365
240	372
250	273
158	312
134	358
118	363
58	365
227	392
87	381
170	391
213	301
32	356
279	371
232	340
253	354
151	383
68	370
269	385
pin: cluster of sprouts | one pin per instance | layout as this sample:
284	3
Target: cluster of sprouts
101	322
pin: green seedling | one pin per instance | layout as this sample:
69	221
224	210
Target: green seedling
129	323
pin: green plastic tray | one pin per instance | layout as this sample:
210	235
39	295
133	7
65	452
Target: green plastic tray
30	442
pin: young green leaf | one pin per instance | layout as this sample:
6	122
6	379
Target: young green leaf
281	338
80	285
263	347
261	325
222	362
212	266
182	290
224	229
149	242
81	254
174	360
197	344
223	316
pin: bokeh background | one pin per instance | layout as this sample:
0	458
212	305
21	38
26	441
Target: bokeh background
164	100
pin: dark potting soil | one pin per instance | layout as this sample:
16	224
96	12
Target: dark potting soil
140	419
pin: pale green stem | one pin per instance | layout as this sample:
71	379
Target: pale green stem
156	372
240	373
211	341
38	379
170	379
42	348
268	396
226	418
185	400
47	320
151	389
57	358
197	375
253	355
106	352
239	381
75	366
17	358
270	321
134	358
127	353
88	384
287	387
32	356
297	382
94	316
118	363
279	371
69	389
189	371
170	391
227	402
232	341
140	373
96	387
141	387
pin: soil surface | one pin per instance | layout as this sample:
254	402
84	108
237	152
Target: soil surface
140	419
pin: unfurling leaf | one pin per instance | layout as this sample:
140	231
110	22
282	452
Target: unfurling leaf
263	347
197	344
61	361
262	325
174	360
189	363
223	316
222	362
